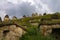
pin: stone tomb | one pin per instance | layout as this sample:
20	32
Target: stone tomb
11	32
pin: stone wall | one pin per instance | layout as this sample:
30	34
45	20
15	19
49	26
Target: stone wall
11	32
47	29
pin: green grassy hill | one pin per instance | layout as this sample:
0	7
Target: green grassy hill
31	25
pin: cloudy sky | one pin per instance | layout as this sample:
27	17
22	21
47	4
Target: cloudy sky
27	7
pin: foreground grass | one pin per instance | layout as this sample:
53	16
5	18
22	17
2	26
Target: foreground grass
33	34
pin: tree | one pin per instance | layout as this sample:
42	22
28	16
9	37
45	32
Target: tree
24	16
44	13
0	19
6	16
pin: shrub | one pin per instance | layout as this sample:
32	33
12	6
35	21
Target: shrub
44	13
33	34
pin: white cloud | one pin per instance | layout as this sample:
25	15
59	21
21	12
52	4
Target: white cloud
41	7
20	1
14	1
3	13
25	8
22	7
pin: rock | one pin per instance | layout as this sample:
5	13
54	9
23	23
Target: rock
11	32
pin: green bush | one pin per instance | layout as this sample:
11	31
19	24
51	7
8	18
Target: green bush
33	34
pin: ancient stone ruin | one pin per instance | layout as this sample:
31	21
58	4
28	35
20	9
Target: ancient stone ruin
50	30
14	18
11	30
6	18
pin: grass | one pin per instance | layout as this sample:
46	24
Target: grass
34	34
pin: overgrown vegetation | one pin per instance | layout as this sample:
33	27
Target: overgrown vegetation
32	30
34	34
